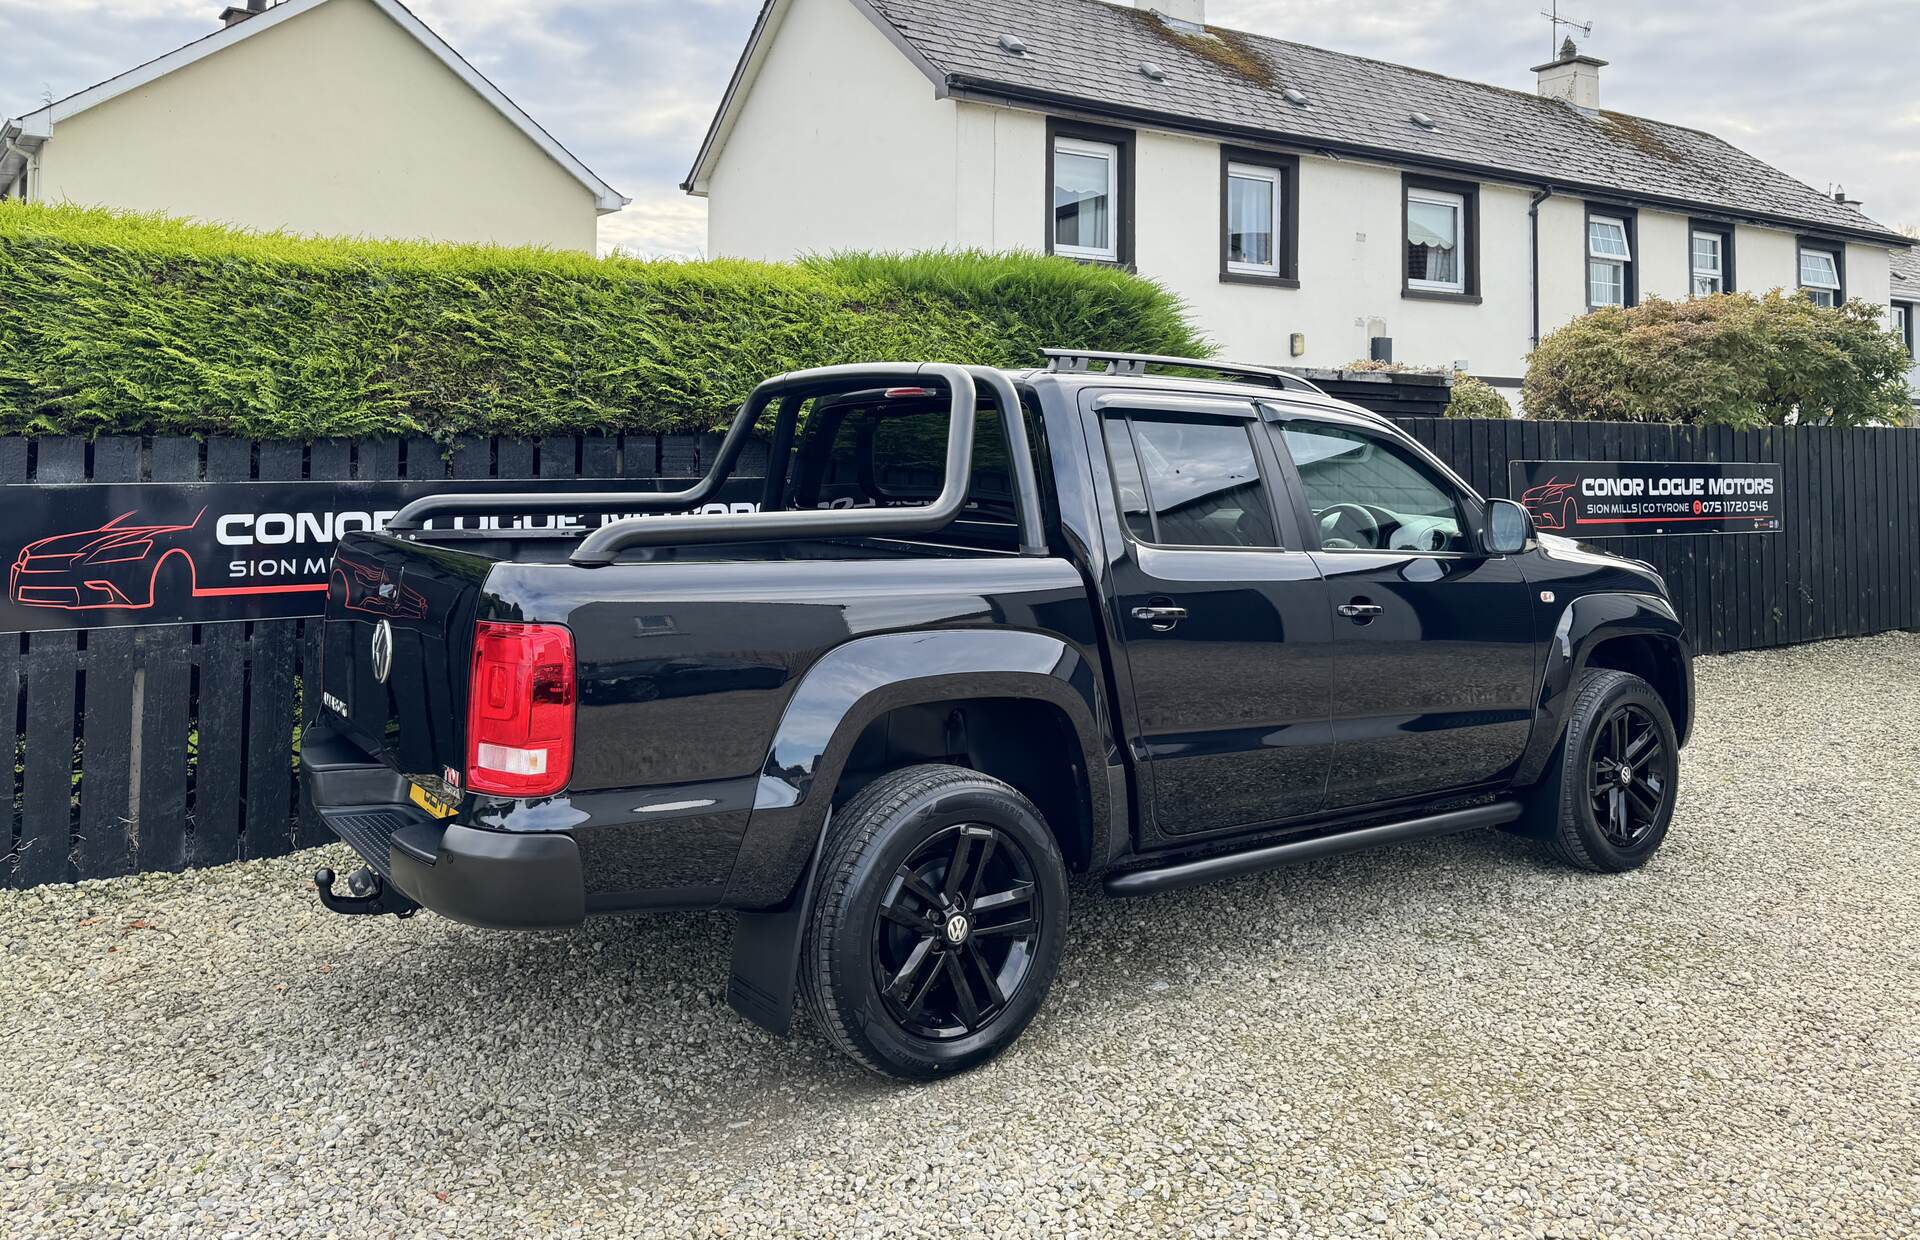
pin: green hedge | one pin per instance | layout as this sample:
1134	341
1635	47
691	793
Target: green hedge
112	323
1733	360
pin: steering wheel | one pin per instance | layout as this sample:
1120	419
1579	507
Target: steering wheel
1348	527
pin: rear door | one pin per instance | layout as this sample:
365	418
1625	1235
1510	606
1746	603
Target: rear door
1222	615
1433	638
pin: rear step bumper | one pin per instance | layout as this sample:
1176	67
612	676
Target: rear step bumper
1230	865
498	880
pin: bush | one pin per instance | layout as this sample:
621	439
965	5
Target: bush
1733	360
1475	398
112	323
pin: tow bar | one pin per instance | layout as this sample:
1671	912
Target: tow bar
369	894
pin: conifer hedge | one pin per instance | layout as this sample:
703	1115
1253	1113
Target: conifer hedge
114	323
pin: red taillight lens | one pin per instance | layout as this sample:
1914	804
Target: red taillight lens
520	709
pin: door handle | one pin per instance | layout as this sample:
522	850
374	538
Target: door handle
1359	609
1161	618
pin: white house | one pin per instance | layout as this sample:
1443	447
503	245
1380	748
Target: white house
328	117
1303	202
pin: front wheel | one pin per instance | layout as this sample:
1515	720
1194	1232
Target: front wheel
940	919
1619	777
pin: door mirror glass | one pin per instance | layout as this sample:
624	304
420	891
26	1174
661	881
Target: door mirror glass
1509	527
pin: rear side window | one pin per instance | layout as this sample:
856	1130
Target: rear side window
1189	482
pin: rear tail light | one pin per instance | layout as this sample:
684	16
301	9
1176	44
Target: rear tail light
520	709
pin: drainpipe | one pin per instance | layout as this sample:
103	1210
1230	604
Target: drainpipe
1533	223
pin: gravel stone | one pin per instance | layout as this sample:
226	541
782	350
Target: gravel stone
1452	1039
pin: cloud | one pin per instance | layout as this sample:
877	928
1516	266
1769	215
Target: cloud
1815	87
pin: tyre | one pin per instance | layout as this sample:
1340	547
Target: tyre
1618	776
938	925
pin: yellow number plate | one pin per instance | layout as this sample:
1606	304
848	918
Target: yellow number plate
432	804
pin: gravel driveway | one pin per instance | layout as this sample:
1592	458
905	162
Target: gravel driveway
1449	1039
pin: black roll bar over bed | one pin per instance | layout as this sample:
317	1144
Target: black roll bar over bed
600	546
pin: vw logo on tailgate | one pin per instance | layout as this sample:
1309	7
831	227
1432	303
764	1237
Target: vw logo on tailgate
382	651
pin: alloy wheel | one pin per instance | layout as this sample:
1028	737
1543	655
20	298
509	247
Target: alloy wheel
956	932
1628	776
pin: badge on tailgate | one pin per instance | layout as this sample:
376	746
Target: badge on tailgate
431	803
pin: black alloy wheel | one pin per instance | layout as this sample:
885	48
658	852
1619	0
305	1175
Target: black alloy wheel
937	923
1628	776
957	931
1607	799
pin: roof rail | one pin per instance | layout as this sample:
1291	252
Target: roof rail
1080	361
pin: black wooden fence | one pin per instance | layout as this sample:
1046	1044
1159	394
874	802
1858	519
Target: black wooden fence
1846	565
173	746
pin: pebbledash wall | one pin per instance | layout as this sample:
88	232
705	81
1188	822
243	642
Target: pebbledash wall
780	189
165	747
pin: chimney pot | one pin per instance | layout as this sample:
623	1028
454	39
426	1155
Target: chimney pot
232	14
1573	78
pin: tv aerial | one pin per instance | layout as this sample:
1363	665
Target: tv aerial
1554	50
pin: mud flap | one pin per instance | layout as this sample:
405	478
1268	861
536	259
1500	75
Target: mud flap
766	957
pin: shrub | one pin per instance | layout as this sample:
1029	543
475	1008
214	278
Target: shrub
1475	398
113	323
1733	359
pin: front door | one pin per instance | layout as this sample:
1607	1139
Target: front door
1222	616
1433	639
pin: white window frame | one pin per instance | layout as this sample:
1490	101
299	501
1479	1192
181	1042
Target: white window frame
1900	323
1619	262
1276	203
1109	253
1718	272
1458	203
1836	290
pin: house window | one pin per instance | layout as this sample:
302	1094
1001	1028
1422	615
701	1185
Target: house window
1609	261
1436	250
1901	322
1440	232
1090	184
1259	217
1712	250
1821	276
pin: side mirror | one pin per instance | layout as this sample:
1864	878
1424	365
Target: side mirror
1509	527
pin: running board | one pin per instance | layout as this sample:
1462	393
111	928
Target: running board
1232	865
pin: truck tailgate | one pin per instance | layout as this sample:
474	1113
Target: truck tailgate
398	640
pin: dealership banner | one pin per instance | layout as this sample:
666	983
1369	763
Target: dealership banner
106	555
1637	499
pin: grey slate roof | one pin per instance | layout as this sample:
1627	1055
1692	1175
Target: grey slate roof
1089	52
1906	276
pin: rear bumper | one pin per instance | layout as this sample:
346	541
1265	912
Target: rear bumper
499	880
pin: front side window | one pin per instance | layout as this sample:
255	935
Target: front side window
1436	245
1820	276
1189	482
1709	264
1253	220
1370	494
1901	321
1086	199
1609	255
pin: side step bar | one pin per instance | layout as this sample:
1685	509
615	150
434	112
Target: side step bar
1232	865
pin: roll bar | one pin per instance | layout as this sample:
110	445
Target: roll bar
601	545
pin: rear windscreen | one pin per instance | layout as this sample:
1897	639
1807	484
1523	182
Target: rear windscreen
893	454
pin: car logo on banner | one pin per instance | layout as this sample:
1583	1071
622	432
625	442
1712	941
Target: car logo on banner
382	651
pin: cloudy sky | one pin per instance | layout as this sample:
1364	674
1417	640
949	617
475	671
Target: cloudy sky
1824	89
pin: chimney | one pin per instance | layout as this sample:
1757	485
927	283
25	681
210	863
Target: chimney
1573	79
1180	12
231	15
1840	196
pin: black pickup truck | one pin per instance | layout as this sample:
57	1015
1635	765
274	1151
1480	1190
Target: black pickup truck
977	630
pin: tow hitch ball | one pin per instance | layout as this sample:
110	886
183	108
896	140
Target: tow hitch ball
369	895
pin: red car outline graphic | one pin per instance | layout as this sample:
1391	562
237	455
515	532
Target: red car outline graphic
365	588
114	567
1552	505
